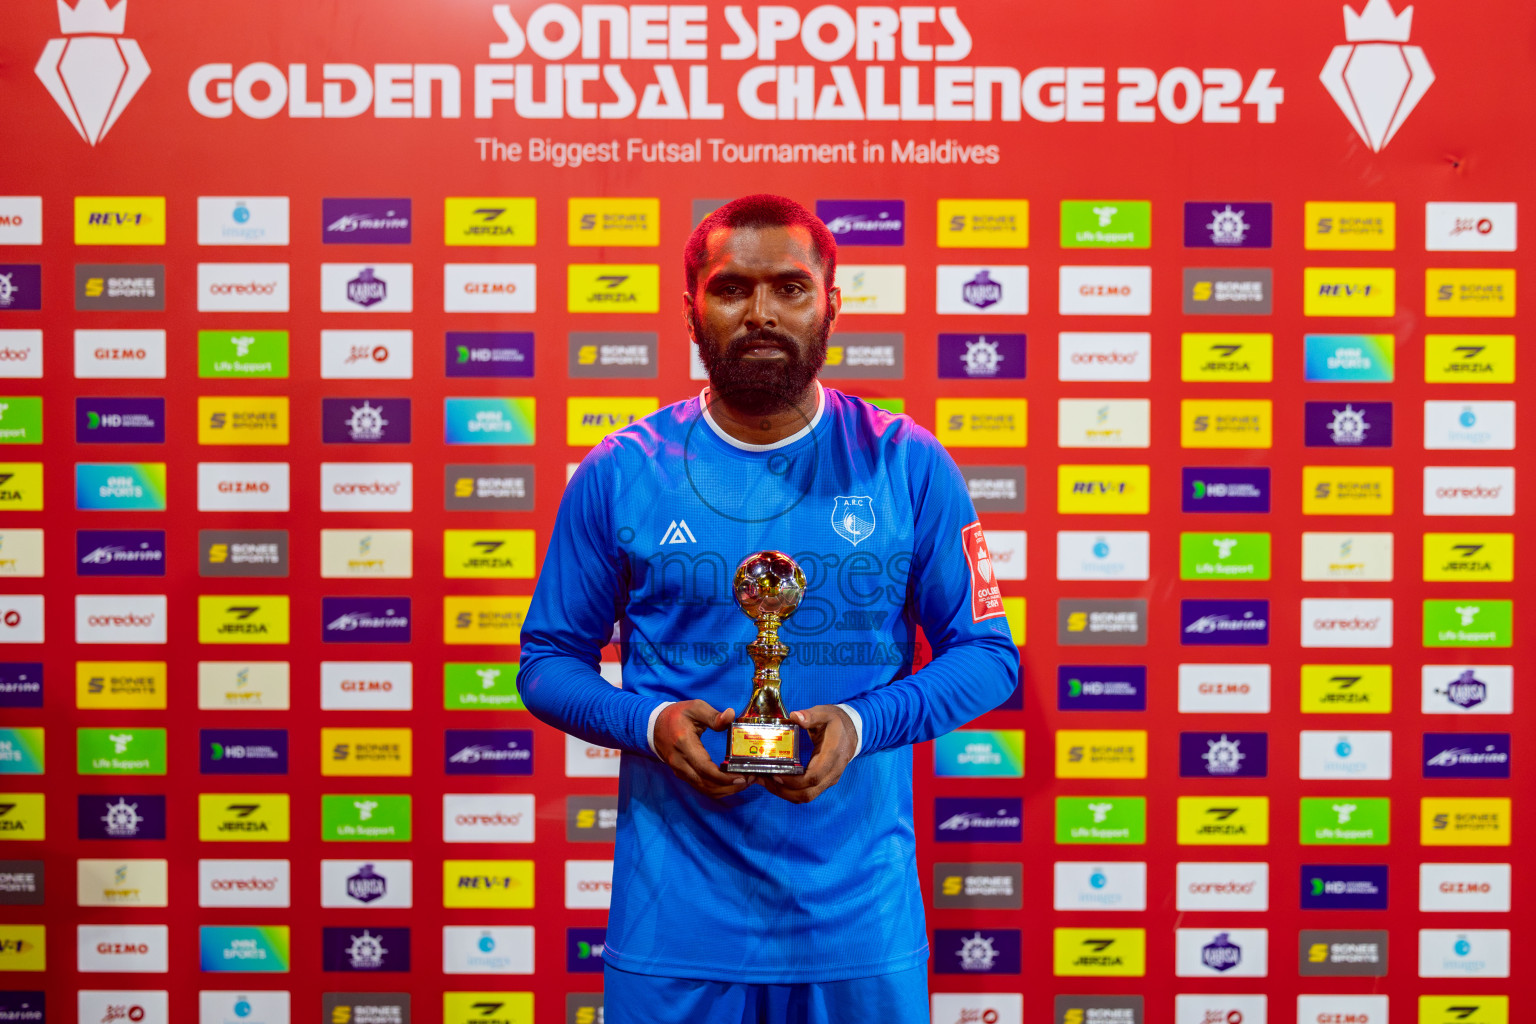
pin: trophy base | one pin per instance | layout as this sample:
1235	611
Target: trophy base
763	747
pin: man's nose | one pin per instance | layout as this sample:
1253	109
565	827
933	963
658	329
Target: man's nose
762	311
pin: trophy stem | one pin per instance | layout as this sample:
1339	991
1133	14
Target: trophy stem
767	652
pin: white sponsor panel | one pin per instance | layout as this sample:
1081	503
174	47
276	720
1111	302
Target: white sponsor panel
374	884
21	220
488	818
983	289
1469	490
588	884
242	288
1464	888
117	1006
242	487
120	618
21	618
872	287
365	486
500	949
21	553
1366	557
612	671
1222	885
1221	952
122	948
1224	1009
1010	553
365	685
1470	227
1104	355
1103	423
1467	689
21	354
1346	622
1463	953
244	883
1463	426
119	355
1101	885
1106	291
585	760
242	220
1346	1009
489	287
243	1006
987	1007
366	355
1103	554
1327	754
1224	689
365	287
696	368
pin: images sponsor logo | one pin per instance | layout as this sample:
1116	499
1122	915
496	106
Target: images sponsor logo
1245	358
612	288
1463	953
1106	224
1360	358
1232	689
488	752
978	820
587	420
1101	885
365	685
21	286
496	817
1464	821
979	886
120	287
1205	623
21	354
109	685
1351	227
1346	556
119	355
242	220
1346	755
242	817
490	220
1466	755
1469	425
1101	687
977	753
1101	753
122	948
1230	953
976	951
1103	423
1346	490
243	752
1223	821
1089	622
1345	689
1346	821
119	220
1228	225
1222	886
492	487
1464	888
1225	489
1469	490
1226	424
244	883
1104	291
490	288
1224	755
1349	291
365	486
851	221
116	815
1099	952
983	223
1469	227
1102	489
489	421
982	422
21	220
1468	623
488	950
242	288
242	486
1228	291
872	288
366	355
366	287
374	884
856	355
365	221
227	685
1469	293
242	420
365	818
1348	425
233	553
238	1007
1104	355
1468	689
1344	887
1101	820
21	684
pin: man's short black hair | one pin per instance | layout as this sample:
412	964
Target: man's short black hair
763	210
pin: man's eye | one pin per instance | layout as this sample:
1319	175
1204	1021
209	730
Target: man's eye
793	289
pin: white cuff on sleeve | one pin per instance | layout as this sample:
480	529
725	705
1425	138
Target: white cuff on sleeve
858	728
650	725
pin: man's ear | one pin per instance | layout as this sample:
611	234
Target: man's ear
834	306
689	317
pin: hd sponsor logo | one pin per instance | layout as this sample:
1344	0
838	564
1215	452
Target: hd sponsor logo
978	820
498	354
1462	888
1231	953
865	356
1346	556
1469	425
490	288
243	619
242	220
1345	689
1094	885
1103	489
1207	623
1103	555
243	883
365	420
992	289
242	487
1225	755
365	685
120	287
1349	291
1346	490
976	753
1348	425
1225	489
374	884
488	950
1342	953
365	752
1341	622
851	221
365	818
242	355
1237	358
1346	821
106	816
1104	291
22	884
365	221
489	487
1226	424
1469	358
118	487
1230	689
1469	490
21	354
366	486
980	886
1464	821
246	949
1094	1009
103	552
1106	224
1358	358
1469	293
1344	887
1467	689
1223	821
996	488
1463	953
1099	952
483	620
1222	886
587	420
119	220
21	286
1106	355
242	817
1101	687
501	817
242	288
1466	755
121	883
983	224
1346	755
21	223
122	949
112	420
612	288
1219	556
982	422
976	951
111	685
21	815
1086	622
119	355
1228	225
620	221
872	287
589	819
366	355
982	356
490	220
1470	227
126	751
1351	227
366	288
243	752
242	420
21	684
120	619
1469	557
488	752
1101	754
1118	820
1228	291
485	686
1103	423
236	553
488	884
1468	623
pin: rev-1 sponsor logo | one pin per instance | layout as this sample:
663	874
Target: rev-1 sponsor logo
982	356
365	421
489	354
488	751
366	221
1224	622
1101	687
864	221
1344	887
1224	755
1349	425
366	949
119	421
978	820
119	816
1466	755
243	752
366	620
120	552
976	951
584	950
1225	489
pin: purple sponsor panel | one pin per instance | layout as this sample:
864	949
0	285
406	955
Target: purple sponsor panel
368	950
366	221
21	684
488	751
978	820
976	951
365	420
584	950
243	752
982	356
1225	488
121	815
1228	225
1223	755
21	286
119	421
365	620
1101	687
1343	887
488	354
864	221
1466	755
19	1007
120	552
1349	424
1223	623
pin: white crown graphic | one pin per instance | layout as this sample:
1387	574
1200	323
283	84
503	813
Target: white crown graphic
92	17
94	71
1375	24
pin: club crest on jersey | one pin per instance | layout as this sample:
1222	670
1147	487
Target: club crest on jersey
853	517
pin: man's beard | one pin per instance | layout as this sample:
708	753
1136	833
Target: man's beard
761	387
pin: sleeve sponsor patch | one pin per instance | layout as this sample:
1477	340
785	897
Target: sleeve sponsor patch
986	595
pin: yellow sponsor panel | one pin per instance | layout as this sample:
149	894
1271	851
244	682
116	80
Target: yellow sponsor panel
1463	1009
1341	227
488	884
1349	291
23	947
1103	490
242	817
1101	753
22	816
983	224
1346	689
1346	490
490	220
1226	424
1013	612
1223	821
225	419
365	751
120	684
484	620
122	883
488	554
1464	821
1459	557
612	288
1474	293
1099	952
1469	358
982	422
477	1008
242	619
1234	358
613	221
589	420
21	486
119	220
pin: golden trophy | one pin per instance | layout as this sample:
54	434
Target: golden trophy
762	740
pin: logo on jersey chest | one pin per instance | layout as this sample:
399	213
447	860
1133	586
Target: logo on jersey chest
853	517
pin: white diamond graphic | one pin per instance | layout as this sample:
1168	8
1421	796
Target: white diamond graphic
1376	78
92	75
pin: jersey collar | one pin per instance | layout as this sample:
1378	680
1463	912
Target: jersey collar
821	404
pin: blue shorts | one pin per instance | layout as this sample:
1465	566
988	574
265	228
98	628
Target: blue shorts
900	998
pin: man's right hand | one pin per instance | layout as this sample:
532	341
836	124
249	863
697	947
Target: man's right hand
676	739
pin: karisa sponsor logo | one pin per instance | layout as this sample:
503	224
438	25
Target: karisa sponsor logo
95	71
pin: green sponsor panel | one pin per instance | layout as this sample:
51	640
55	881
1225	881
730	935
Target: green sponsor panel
891	405
481	686
21	420
371	818
1223	556
1346	821
127	751
1101	819
242	354
1106	224
1468	623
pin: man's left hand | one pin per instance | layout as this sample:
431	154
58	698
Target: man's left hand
833	735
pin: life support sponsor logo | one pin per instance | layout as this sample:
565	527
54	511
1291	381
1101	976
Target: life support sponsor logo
1104	356
1231	358
119	355
238	355
1223	821
490	220
1342	622
1349	291
365	685
1098	1009
366	486
371	884
1361	358
855	355
1228	291
119	220
978	886
1224	556
362	817
488	950
1343	227
228	685
1467	689
588	884
370	950
366	355
120	751
122	949
1470	227
1237	885
1115	820
1103	423
1103	489
21	220
1088	622
1346	556
1346	821
365	221
1348	424
242	817
1465	888
1469	490
242	288
1469	358
983	223
242	220
366	288
1340	754
1468	623
492	487
613	288
1469	425
1228	225
1221	953
1464	821
490	288
1225	489
1105	291
1469	293
242	619
488	884
471	686
21	354
988	1007
996	488
244	883
120	619
1347	490
242	486
1100	885
978	820
490	818
1099	952
105	816
992	289
1346	689
1101	687
1206	623
120	287
1213	688
1106	224
872	287
1464	953
21	286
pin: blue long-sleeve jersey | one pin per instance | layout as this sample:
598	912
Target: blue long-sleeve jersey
751	888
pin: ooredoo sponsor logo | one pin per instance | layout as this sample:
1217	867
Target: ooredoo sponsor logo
365	486
243	883
488	818
21	354
1469	490
1329	622
242	287
120	618
1105	355
242	487
588	884
1222	886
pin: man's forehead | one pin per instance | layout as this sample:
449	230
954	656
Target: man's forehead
773	248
